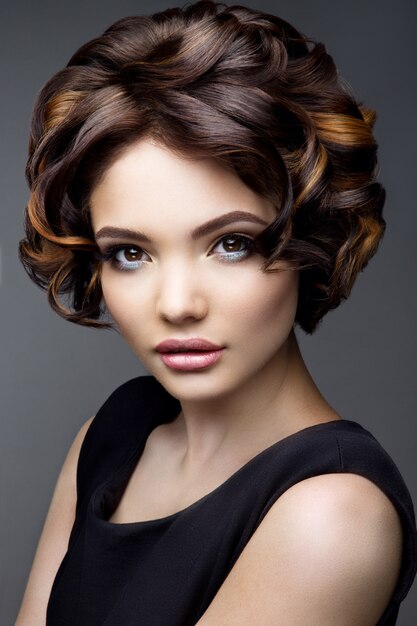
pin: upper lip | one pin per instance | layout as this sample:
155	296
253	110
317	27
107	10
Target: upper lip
185	345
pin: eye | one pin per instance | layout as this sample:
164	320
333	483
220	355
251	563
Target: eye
125	258
233	247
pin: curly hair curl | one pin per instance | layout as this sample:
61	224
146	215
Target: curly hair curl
209	80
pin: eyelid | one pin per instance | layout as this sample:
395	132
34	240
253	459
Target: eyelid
244	236
220	238
110	255
108	251
249	248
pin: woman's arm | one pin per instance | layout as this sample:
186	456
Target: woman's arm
328	552
53	542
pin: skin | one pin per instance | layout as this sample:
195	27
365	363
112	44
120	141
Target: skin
337	563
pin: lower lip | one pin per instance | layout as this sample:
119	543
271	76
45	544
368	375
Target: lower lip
190	361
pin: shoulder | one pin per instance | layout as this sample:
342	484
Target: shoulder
54	539
332	507
346	447
328	551
343	534
138	389
121	424
143	394
69	468
130	408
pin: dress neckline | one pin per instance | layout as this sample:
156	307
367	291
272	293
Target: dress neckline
127	468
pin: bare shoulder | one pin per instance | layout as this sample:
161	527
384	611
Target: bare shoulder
342	497
54	538
345	515
327	552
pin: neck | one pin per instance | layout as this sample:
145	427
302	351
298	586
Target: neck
278	402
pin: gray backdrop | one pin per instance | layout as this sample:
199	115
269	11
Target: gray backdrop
54	375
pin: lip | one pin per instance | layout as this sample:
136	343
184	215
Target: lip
189	354
186	345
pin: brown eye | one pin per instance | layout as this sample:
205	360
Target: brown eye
232	244
232	248
132	254
129	258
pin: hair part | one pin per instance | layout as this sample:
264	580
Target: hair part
229	83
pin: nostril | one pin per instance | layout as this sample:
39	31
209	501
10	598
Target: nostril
178	309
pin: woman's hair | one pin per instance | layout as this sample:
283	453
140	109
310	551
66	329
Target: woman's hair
230	83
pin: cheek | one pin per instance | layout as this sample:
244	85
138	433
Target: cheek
267	300
123	298
260	302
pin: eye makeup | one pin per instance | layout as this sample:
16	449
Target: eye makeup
229	248
124	257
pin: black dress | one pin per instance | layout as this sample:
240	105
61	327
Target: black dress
165	572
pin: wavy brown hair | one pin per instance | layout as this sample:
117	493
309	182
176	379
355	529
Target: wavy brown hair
208	80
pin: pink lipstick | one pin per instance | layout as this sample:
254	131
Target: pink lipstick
188	354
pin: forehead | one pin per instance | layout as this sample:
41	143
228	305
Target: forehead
149	185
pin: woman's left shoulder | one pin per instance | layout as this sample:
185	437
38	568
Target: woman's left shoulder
339	515
337	503
361	453
327	551
344	519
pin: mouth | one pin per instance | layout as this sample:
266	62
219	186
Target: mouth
189	354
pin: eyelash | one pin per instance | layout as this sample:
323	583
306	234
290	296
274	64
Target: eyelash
233	257
110	254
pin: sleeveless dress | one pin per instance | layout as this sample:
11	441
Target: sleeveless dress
166	572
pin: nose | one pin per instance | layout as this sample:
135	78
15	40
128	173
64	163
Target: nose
181	298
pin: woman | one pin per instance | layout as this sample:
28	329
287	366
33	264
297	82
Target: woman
206	176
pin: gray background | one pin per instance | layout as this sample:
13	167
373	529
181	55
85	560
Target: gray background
54	375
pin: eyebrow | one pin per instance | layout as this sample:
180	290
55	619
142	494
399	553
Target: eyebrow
207	228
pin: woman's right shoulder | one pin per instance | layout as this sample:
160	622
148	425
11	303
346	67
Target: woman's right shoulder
130	408
125	419
138	397
100	444
122	411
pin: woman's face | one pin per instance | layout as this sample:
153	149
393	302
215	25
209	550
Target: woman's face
179	264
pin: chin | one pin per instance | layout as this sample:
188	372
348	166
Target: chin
202	386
